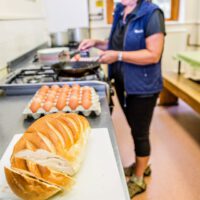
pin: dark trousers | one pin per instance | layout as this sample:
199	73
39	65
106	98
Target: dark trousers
138	110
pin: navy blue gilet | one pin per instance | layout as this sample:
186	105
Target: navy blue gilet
138	79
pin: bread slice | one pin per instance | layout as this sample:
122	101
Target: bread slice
28	187
50	176
47	159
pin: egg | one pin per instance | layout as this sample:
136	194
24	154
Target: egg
35	105
76	58
59	90
65	86
86	95
64	90
86	103
38	98
47	106
55	87
61	103
44	89
76	86
73	102
75	93
41	93
51	97
86	88
62	95
53	92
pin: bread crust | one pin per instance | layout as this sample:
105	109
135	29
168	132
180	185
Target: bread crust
27	187
63	137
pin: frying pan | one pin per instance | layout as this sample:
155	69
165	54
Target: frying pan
75	69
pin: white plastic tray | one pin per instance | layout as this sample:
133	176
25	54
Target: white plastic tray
98	178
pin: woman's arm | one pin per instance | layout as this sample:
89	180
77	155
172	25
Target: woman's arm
150	55
89	43
102	45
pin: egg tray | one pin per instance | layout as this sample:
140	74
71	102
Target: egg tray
94	108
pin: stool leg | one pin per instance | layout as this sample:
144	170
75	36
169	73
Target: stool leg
179	67
166	98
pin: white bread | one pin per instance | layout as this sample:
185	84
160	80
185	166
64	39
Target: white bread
51	150
29	188
46	159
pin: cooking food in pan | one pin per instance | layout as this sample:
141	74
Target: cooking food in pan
65	98
74	68
47	156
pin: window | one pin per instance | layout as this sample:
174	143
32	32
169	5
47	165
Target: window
170	8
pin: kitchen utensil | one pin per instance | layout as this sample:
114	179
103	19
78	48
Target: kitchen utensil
59	39
75	69
78	34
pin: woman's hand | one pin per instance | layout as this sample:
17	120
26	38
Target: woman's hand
87	44
108	57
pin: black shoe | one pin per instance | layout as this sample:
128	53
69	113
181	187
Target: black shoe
128	171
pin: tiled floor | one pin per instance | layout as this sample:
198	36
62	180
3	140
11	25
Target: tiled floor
175	160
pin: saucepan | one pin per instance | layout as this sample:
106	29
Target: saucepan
59	39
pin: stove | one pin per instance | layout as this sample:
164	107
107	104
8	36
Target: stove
26	80
26	77
46	74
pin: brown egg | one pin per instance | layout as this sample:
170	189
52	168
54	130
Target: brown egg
42	93
77	57
61	103
76	86
35	105
75	93
62	95
52	92
38	98
64	91
55	87
51	97
44	89
86	92
86	88
86	96
47	106
66	87
59	90
73	102
86	103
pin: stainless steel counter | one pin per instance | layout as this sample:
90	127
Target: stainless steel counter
12	122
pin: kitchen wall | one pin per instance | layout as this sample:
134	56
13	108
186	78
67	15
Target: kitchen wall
189	23
65	14
22	28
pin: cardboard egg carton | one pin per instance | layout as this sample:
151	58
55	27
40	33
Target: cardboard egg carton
94	108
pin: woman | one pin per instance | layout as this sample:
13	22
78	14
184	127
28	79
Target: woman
133	52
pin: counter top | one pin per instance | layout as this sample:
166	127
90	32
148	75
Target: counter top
12	122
